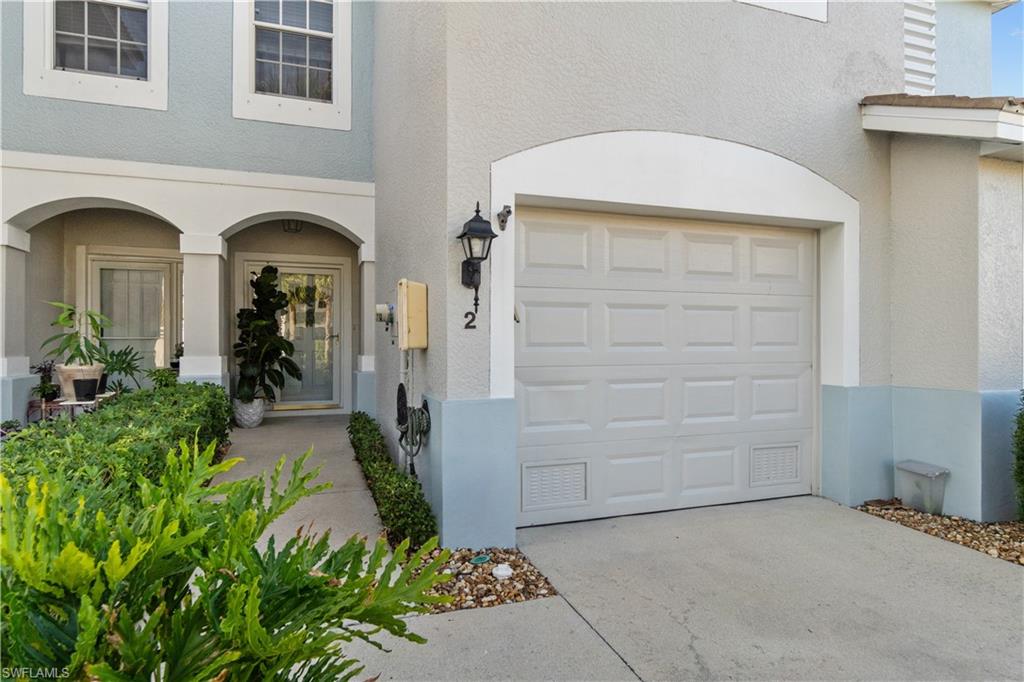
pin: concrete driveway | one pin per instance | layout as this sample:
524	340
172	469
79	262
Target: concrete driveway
792	589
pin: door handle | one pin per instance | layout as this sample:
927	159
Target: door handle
334	336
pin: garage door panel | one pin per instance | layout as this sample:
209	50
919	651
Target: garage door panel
608	479
661	364
601	326
570	250
581	404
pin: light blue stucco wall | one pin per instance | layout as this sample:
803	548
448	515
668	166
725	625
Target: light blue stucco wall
15	392
197	129
866	430
998	421
468	469
857	443
365	389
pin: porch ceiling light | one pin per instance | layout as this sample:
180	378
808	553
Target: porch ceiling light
292	226
476	243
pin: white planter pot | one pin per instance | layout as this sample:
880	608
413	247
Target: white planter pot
249	415
66	375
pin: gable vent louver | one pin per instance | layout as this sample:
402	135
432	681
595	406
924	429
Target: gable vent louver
919	48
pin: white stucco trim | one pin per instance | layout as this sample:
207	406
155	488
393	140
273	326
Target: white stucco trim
197	201
687	176
987	125
211	245
808	9
249	104
41	79
15	238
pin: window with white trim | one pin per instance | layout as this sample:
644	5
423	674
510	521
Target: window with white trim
102	51
102	37
294	40
292	62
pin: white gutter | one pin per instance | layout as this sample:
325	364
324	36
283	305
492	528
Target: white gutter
986	125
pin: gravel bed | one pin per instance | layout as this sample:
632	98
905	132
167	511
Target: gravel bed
1003	540
473	586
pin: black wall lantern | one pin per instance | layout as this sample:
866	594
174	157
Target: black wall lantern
476	243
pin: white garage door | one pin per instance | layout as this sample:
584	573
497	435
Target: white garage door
660	363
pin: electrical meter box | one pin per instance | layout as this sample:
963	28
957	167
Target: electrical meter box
412	314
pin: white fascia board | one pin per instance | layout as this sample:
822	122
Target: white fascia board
986	125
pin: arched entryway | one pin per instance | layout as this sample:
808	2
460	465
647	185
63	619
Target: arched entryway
318	269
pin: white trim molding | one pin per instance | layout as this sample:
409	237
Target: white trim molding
679	175
15	238
251	105
40	78
808	9
206	202
205	244
986	125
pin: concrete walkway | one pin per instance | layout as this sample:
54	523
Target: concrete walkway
795	589
346	508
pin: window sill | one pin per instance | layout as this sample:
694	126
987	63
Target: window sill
290	111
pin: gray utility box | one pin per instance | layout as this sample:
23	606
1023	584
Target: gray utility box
921	485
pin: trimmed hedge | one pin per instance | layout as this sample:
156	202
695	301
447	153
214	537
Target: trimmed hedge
1018	456
124	440
404	511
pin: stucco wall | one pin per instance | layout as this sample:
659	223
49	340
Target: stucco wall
520	75
198	128
935	263
1000	309
963	48
52	266
410	169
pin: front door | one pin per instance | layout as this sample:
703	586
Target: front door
311	323
314	322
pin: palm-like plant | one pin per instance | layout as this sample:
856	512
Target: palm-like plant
264	356
76	344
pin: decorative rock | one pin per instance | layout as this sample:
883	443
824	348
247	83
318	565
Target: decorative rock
1003	540
502	571
478	586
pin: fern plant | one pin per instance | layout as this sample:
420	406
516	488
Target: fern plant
170	585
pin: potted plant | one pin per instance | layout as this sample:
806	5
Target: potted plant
81	371
45	389
179	350
264	356
120	365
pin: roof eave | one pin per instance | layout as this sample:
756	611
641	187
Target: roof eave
985	125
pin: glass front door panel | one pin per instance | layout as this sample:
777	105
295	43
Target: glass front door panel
134	300
308	322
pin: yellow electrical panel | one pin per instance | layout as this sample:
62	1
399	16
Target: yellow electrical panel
412	314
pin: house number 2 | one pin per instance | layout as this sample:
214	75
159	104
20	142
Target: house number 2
470	318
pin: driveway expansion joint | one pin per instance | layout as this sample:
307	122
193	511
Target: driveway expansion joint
600	636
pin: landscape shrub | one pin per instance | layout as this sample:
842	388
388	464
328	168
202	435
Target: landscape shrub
167	582
403	509
1018	457
104	453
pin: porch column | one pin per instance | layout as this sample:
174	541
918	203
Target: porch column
204	309
364	380
16	381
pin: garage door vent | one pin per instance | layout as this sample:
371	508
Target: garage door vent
774	465
554	485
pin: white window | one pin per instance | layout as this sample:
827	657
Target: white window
103	51
808	9
292	62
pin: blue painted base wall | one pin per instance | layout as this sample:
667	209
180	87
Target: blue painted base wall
469	471
15	392
364	386
866	430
